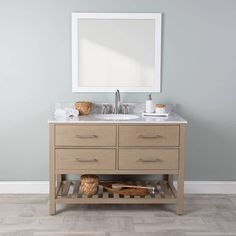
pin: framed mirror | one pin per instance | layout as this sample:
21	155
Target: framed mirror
116	51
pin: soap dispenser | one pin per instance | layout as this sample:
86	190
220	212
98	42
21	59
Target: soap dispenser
149	104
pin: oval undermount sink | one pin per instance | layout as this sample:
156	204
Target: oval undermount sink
117	117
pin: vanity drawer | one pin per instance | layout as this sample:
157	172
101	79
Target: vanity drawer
85	135
85	159
140	135
148	159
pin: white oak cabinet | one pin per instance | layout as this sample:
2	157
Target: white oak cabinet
117	149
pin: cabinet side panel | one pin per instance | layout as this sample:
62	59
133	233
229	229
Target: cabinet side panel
52	204
180	191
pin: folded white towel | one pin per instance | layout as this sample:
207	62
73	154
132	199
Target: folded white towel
66	112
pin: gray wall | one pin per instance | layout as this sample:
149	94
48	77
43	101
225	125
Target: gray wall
199	74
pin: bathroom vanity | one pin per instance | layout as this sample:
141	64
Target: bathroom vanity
144	146
115	144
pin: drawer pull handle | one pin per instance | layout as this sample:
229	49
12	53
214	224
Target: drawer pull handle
88	160
150	160
149	136
86	136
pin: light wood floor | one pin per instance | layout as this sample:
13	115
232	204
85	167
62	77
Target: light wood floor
205	215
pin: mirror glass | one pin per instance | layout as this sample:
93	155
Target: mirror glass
116	51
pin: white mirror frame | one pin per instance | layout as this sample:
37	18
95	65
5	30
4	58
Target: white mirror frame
157	74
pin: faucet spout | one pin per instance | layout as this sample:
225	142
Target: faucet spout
117	102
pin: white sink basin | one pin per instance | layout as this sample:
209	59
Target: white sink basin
117	117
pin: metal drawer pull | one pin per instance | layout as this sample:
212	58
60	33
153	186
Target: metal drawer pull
86	136
149	136
150	160
89	160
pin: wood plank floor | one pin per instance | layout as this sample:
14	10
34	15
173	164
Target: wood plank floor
205	215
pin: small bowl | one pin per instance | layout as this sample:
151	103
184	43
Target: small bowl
83	107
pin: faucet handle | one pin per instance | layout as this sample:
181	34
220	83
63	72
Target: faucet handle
106	108
125	109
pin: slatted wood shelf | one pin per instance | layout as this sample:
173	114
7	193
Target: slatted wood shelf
69	192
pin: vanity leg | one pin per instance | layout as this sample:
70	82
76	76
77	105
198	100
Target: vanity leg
52	201
180	178
52	181
180	195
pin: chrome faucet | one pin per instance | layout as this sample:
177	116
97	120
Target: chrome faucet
117	102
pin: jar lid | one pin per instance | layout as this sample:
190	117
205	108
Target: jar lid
160	105
89	178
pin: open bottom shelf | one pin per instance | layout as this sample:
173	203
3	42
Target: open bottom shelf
69	192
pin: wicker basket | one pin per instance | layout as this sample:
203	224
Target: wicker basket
89	184
84	107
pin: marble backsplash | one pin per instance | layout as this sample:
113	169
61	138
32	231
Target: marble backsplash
134	108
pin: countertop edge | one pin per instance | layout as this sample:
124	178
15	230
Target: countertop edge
117	122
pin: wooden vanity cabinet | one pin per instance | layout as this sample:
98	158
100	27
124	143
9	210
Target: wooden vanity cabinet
118	149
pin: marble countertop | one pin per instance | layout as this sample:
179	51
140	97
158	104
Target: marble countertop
171	119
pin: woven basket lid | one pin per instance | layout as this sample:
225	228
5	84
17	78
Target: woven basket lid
89	178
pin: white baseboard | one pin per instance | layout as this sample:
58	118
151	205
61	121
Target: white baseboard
210	187
42	187
24	187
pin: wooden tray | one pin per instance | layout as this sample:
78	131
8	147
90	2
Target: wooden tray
124	191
